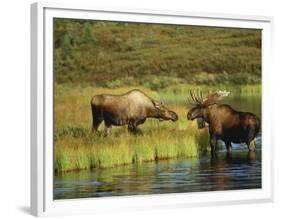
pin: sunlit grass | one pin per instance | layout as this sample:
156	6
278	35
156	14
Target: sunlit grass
77	148
79	153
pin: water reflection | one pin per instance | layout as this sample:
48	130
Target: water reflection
241	170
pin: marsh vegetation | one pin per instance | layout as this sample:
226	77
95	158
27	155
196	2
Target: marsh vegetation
165	62
77	148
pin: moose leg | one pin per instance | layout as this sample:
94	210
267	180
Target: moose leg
213	143
228	146
132	127
139	122
251	156
107	129
97	118
252	145
96	124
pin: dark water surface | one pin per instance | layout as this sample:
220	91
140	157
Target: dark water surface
241	170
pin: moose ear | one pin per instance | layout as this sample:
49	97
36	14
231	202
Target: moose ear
156	104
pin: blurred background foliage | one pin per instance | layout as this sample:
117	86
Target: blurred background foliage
115	54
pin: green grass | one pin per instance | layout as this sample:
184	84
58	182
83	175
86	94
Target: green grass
77	148
75	153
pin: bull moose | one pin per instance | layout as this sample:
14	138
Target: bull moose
224	122
131	108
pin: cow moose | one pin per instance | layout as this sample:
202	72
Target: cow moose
224	122
131	108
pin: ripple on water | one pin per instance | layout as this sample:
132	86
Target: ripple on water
237	172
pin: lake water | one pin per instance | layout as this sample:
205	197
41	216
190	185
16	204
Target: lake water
240	170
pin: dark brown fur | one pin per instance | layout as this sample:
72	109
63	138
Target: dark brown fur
131	108
227	124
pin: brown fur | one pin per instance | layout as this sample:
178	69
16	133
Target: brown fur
131	108
227	124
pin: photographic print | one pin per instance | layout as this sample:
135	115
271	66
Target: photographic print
143	108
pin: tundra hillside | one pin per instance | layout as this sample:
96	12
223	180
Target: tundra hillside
116	54
165	62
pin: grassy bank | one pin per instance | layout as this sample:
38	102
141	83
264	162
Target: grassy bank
76	148
121	148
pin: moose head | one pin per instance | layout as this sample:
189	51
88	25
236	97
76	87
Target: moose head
201	104
163	113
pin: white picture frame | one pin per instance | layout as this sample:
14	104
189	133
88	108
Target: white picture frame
42	203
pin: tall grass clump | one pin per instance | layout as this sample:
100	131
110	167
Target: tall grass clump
121	147
77	155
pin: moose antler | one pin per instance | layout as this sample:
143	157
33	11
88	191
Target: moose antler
197	99
215	97
210	99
